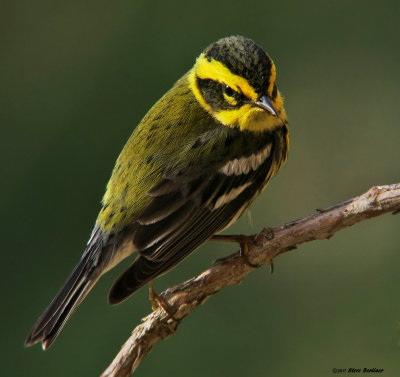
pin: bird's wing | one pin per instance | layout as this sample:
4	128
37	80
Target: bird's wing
186	210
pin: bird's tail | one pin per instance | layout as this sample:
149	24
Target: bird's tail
136	276
75	289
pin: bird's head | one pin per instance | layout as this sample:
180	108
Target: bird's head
234	81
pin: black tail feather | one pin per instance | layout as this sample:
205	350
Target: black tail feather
75	289
136	276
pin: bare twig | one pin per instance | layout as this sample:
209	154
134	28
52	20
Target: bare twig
266	245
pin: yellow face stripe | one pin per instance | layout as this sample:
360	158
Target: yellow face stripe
231	100
247	117
196	91
216	71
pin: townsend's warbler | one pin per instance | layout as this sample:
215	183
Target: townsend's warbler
196	161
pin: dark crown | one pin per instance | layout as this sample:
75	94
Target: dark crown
244	58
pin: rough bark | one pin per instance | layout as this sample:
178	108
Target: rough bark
263	248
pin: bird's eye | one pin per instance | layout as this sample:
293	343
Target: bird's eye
231	96
229	91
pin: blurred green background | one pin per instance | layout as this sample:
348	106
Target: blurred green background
76	79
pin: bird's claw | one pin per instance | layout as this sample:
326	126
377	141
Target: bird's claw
157	301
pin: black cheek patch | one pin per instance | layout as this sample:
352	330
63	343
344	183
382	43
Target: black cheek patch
212	93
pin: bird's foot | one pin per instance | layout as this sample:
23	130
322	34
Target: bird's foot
157	301
243	241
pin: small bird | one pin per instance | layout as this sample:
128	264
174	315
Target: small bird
193	165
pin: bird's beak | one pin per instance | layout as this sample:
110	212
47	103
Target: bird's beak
265	103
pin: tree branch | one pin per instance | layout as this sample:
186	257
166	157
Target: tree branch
266	245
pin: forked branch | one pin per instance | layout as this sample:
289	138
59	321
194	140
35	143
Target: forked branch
266	245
